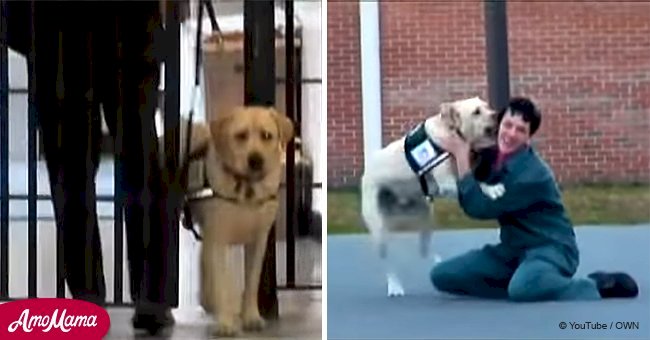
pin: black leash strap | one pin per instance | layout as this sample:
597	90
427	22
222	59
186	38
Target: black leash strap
188	222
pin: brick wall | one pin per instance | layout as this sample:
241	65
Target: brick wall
587	65
344	125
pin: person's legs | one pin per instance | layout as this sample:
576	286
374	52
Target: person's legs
146	211
537	279
131	93
483	272
547	274
124	126
70	129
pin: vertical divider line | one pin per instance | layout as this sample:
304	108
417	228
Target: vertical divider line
118	245
32	166
4	155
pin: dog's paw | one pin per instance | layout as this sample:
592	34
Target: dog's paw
394	286
226	329
493	191
253	322
395	291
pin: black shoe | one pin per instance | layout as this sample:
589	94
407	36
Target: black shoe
152	318
615	285
99	301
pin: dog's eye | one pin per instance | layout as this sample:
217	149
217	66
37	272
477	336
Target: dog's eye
477	112
266	135
241	136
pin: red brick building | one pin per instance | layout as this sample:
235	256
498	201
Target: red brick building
587	64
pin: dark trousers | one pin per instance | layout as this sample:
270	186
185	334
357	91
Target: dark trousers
500	272
91	55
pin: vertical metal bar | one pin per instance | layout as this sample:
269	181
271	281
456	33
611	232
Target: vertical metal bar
32	166
172	131
301	182
58	189
290	178
496	41
118	191
259	89
4	154
60	278
118	230
298	87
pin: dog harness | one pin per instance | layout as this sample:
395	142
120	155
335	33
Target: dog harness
207	192
422	155
242	183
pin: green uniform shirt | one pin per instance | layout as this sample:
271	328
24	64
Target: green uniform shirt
530	213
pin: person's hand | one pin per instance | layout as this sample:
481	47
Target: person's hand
455	145
459	148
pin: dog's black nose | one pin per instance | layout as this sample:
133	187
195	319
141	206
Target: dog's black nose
490	131
255	161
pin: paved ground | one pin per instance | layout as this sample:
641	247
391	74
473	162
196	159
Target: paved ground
358	307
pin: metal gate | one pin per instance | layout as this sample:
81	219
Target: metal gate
256	15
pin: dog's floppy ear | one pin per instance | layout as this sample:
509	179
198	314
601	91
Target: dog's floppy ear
218	130
450	115
285	127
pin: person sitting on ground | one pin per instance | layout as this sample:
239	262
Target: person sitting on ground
537	255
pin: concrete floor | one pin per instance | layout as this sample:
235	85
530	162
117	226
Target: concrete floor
358	307
300	318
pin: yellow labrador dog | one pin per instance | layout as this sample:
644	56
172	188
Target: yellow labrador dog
242	165
398	178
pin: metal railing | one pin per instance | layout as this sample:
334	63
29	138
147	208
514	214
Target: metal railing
293	81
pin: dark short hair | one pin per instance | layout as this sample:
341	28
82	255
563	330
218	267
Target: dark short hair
525	108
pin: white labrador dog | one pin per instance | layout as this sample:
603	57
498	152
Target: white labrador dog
393	196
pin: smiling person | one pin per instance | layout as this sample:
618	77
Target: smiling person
537	255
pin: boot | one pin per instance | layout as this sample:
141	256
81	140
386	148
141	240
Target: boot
615	285
152	317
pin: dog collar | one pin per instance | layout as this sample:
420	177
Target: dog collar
422	155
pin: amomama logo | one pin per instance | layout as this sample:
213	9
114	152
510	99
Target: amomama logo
52	318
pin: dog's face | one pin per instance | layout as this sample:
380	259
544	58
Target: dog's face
252	140
474	119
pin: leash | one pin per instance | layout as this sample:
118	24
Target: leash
185	197
182	176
